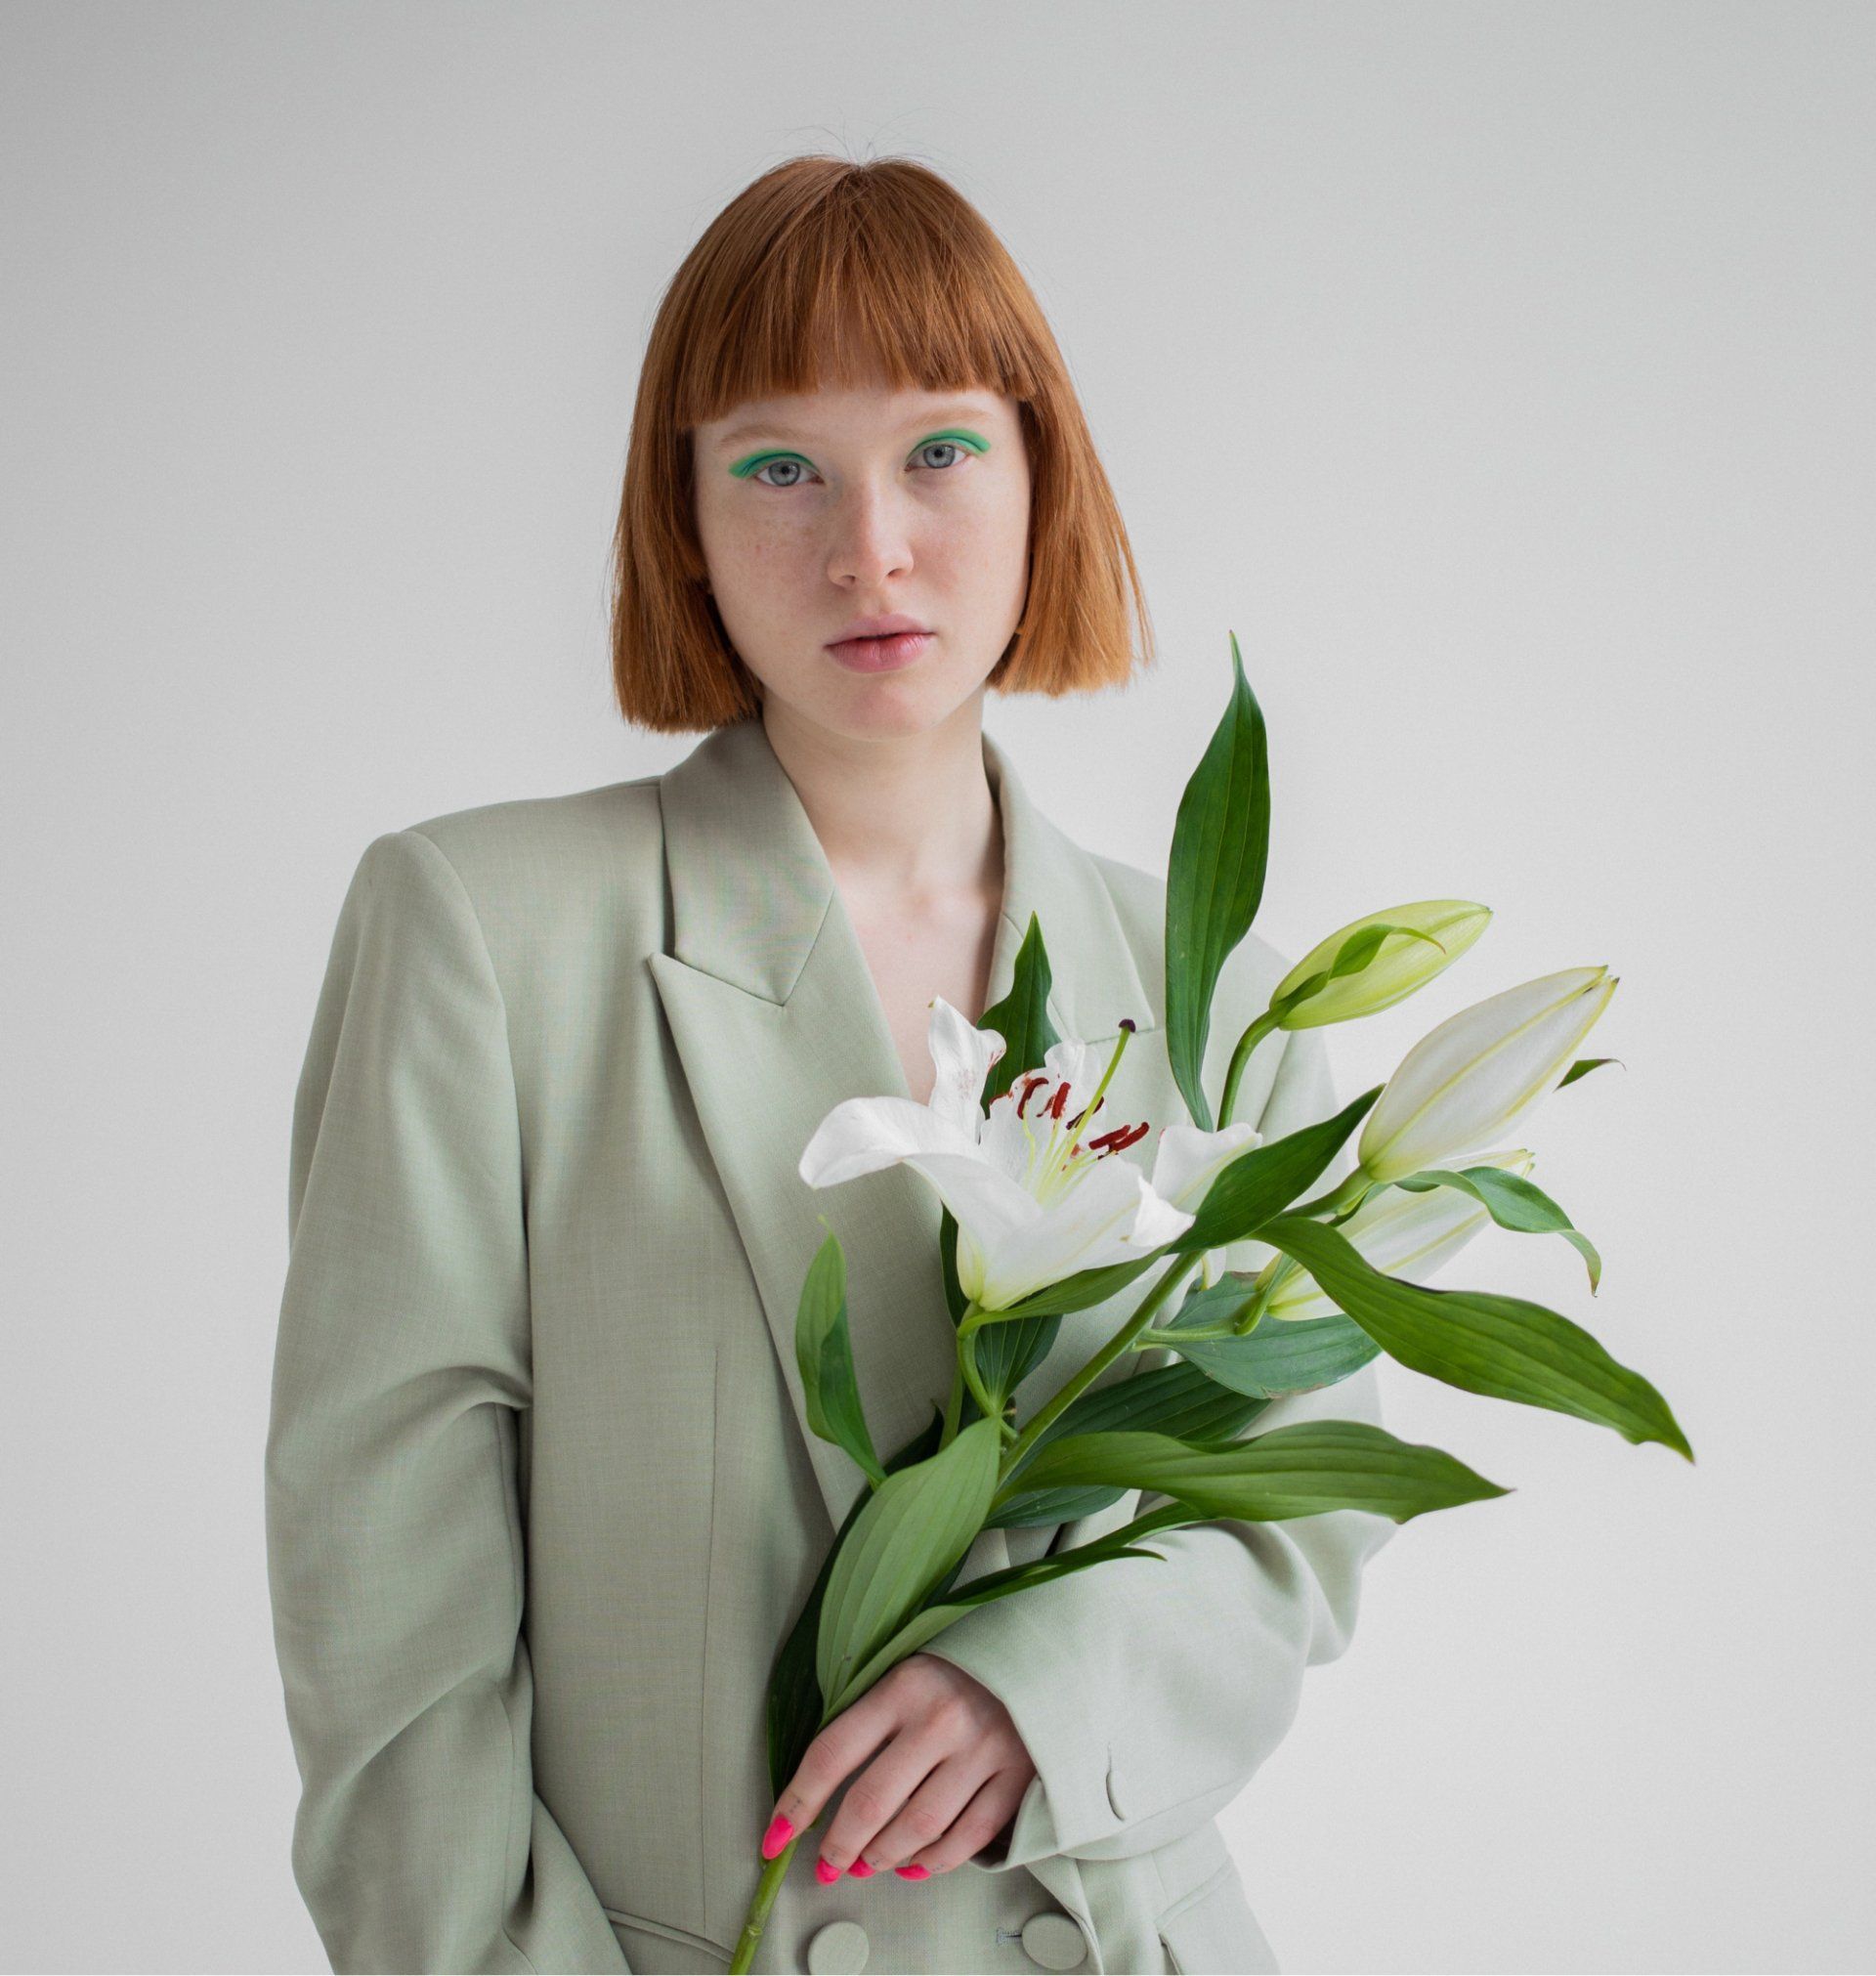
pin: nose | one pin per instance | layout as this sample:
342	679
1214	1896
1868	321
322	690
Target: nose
870	543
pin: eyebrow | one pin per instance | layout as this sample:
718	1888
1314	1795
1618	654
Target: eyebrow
751	429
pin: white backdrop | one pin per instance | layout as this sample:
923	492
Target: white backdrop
1499	376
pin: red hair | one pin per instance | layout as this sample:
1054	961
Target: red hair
825	271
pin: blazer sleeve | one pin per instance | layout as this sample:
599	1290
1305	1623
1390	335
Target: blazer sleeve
1149	1694
394	1532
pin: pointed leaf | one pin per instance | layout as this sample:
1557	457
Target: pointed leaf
824	1351
1512	1202
1264	1180
1214	880
794	1711
932	1620
1176	1399
1299	1471
1501	1345
1297	1354
1021	1017
916	1526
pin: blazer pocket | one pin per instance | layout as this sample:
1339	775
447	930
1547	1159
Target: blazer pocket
1213	1932
674	1951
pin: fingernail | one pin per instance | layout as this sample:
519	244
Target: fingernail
860	1871
912	1872
825	1873
779	1834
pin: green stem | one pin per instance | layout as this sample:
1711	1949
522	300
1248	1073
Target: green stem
1079	1383
1337	1198
1241	1056
766	1889
969	1327
955	1405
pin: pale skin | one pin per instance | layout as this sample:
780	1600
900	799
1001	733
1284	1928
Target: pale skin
850	505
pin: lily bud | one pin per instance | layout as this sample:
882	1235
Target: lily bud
1465	1082
1383	968
1410	1235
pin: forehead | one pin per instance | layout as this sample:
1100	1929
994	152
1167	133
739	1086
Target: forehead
808	414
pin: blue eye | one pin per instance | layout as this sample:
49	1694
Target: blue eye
757	473
959	446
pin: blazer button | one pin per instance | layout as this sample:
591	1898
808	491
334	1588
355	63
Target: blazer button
1055	1941
838	1950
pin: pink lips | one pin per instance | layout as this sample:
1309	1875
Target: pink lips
881	655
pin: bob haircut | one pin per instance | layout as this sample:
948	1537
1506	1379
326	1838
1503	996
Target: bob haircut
827	270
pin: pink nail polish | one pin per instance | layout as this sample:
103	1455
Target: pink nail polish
825	1873
779	1834
912	1872
860	1871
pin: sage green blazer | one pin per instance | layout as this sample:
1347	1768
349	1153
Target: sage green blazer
540	1499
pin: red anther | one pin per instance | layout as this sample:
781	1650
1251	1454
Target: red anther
1059	1102
1082	1113
1121	1138
1030	1082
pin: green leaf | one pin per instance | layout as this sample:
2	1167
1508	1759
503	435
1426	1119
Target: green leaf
932	1620
1176	1399
1021	1017
1512	1202
824	1351
1503	1347
1078	1292
916	1528
1264	1180
1582	1068
1297	1355
1299	1471
794	1712
1214	880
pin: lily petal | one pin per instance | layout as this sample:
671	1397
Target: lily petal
963	1055
1110	1215
992	1210
1188	1159
862	1135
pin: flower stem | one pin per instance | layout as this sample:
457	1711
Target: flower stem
766	1889
1241	1056
1120	1341
967	1329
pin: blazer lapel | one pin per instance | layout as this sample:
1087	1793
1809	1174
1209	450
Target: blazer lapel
775	1019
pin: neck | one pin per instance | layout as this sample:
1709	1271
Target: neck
900	816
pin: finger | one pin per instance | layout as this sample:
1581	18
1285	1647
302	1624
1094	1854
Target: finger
904	1800
975	1823
835	1754
917	1838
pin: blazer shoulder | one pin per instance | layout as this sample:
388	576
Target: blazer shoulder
561	888
530	849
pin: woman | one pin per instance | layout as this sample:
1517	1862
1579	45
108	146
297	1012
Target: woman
542	1497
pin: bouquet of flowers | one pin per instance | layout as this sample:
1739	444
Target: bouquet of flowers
1043	1217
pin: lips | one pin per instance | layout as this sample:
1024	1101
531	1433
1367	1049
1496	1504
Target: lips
880	654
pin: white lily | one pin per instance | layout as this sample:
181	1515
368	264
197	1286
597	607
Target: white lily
1035	1202
1401	1233
1465	1082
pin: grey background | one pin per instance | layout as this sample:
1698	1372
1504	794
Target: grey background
1500	375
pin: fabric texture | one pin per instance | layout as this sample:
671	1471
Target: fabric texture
541	1499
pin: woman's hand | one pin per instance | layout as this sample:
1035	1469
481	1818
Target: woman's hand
949	1773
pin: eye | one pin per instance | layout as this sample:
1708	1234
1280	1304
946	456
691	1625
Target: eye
943	446
781	459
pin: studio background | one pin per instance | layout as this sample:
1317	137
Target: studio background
1499	376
